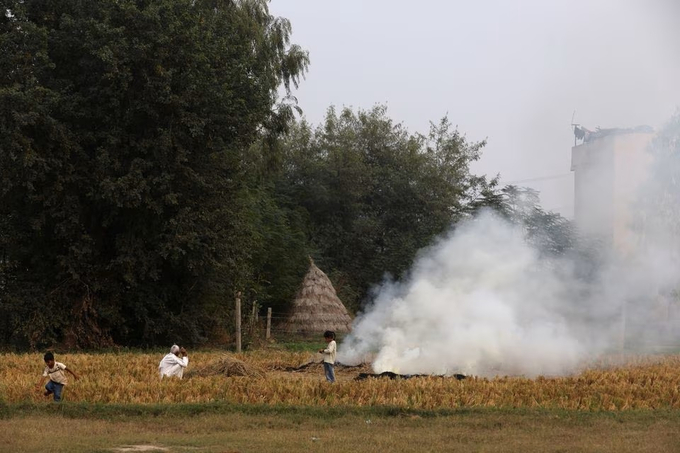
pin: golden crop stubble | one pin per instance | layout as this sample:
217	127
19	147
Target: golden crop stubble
133	378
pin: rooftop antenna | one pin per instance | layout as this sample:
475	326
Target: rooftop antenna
574	126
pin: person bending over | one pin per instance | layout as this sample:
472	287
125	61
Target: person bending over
174	363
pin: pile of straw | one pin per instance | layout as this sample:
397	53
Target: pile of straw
316	365
229	366
316	307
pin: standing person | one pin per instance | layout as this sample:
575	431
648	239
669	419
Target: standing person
174	363
54	371
329	355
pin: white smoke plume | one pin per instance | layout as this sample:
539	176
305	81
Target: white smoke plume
483	301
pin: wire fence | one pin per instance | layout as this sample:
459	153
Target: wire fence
256	328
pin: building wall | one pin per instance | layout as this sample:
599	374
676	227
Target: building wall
631	167
608	173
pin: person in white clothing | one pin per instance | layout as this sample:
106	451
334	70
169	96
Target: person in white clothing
329	355
174	363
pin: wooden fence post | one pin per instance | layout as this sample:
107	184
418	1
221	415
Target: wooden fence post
268	335
238	321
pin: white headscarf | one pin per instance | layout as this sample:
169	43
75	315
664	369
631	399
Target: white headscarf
174	349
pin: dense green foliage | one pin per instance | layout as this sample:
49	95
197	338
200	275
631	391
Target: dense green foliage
550	233
127	212
149	170
374	193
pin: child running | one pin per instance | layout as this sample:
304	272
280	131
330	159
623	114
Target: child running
329	355
57	379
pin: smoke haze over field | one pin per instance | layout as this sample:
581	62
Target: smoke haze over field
510	71
487	300
482	300
478	302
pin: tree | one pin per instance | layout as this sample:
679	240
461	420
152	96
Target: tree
551	234
374	194
658	213
127	212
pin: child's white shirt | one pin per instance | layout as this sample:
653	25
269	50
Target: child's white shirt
56	373
330	352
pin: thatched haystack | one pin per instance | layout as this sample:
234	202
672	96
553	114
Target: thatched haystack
228	366
317	307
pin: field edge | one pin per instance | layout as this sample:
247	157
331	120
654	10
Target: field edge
127	411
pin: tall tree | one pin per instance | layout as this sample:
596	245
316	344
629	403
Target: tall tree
658	210
127	213
375	194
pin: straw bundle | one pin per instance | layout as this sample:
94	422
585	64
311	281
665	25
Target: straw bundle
228	366
317	307
315	365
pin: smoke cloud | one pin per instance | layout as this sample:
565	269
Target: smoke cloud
480	301
484	301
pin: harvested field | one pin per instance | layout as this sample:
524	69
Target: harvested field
290	378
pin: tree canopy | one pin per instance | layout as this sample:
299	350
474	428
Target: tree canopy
152	165
126	209
659	200
374	193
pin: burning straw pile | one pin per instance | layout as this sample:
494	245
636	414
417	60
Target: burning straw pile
228	366
391	375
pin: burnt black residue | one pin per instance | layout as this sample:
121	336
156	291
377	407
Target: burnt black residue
391	375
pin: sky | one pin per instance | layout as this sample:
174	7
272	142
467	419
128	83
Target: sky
511	72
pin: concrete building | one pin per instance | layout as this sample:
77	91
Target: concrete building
610	169
609	166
